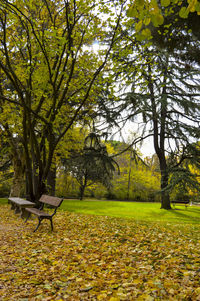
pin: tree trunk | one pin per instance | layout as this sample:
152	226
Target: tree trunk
82	189
51	181
129	178
18	184
165	199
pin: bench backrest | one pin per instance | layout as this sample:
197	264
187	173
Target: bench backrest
180	202
51	200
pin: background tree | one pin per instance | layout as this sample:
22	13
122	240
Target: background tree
137	181
184	180
92	164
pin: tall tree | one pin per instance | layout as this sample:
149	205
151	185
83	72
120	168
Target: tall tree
161	88
46	60
162	95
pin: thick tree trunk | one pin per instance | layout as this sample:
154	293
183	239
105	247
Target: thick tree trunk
51	181
165	199
18	161
18	184
82	187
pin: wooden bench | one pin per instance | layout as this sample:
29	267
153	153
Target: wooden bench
185	203
19	205
40	213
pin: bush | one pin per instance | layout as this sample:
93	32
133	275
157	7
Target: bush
4	189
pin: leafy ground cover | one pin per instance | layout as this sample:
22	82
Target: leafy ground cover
91	257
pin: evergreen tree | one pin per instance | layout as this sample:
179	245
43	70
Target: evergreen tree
92	164
162	94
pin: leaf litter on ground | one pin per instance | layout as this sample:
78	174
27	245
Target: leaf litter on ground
91	257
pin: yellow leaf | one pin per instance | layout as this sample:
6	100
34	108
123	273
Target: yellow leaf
79	279
147	21
101	297
138	26
165	3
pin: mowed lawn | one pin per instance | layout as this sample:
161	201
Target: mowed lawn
101	250
135	210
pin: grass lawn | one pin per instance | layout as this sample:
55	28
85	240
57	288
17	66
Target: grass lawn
137	211
3	201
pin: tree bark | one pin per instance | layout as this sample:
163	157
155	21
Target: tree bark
165	199
18	184
51	181
82	187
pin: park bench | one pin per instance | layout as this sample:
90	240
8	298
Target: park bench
184	203
19	205
45	200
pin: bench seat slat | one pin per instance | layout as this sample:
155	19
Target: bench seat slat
20	201
37	212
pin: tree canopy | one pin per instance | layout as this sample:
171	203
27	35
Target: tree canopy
49	74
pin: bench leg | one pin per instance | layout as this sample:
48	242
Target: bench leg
39	219
17	210
28	215
39	222
51	224
12	206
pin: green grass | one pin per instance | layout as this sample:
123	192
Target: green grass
3	201
148	212
138	211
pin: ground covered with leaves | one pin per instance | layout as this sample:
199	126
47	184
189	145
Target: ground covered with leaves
97	258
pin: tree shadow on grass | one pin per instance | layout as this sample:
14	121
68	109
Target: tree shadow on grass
179	215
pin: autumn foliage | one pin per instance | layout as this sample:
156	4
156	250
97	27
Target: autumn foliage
98	258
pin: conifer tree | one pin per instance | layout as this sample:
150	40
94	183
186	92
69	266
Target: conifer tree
162	95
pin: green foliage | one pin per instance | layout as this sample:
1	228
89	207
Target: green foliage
91	164
184	179
6	172
155	12
4	187
50	77
137	181
142	182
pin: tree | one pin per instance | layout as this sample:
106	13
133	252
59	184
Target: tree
163	95
184	181
6	172
92	164
45	74
137	180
